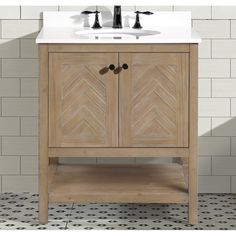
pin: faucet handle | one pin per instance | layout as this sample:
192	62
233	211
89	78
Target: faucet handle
137	24
144	12
96	24
90	12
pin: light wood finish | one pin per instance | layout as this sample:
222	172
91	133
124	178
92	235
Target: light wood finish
184	163
153	99
53	164
119	183
118	152
118	48
43	135
173	69
83	103
193	135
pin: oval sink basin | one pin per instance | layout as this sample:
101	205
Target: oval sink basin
116	32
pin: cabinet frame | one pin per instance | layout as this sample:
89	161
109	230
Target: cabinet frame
48	156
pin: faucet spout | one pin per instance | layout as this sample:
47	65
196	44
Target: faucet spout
117	18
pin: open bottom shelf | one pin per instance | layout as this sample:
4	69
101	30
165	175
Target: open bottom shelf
162	183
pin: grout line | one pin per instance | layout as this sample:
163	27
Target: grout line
211	48
0	106
211	12
20	136
30	58
20	86
20	125
26	175
211	165
20	97
211	128
20	116
1	67
19	44
20	12
211	88
20	165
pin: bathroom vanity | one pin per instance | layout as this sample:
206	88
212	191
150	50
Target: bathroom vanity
118	93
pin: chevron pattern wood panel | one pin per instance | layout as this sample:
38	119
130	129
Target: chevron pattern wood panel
83	102
154	100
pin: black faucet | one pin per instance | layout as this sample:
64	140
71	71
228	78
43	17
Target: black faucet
137	24
96	24
117	19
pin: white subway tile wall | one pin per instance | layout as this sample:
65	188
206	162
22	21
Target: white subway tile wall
233	67
214	68
10	12
20	28
233	28
233	184
212	28
19	96
223	12
214	184
22	183
204	126
198	12
35	12
204	165
29	165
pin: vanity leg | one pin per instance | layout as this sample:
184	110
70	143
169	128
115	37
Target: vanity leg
43	180
43	192
193	136
192	191
43	134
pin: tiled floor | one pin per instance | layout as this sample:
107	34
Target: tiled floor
19	211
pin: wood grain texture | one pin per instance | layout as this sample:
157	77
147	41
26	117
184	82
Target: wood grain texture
162	183
118	152
104	48
83	103
43	135
193	136
153	100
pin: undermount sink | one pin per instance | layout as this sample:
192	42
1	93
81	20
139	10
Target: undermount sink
116	32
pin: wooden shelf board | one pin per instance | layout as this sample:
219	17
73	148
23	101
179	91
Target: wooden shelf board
162	183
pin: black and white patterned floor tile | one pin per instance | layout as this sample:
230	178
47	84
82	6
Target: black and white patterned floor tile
20	211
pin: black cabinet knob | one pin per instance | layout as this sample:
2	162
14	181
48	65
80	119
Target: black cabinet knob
125	66
112	67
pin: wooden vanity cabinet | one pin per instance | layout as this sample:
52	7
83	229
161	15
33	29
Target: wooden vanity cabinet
143	106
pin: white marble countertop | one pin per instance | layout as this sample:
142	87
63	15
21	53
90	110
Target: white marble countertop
61	27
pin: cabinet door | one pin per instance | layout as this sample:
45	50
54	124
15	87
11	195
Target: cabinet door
153	100
83	100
